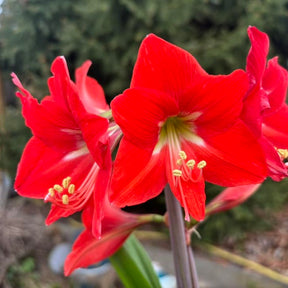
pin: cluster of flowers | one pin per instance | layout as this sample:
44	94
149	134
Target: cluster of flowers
176	124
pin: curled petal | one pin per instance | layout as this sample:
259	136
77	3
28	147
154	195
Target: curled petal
91	93
49	121
256	59
231	197
275	83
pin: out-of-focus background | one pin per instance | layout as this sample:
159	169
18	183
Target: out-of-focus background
34	32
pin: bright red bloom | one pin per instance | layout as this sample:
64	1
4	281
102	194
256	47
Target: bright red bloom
264	110
67	161
116	228
181	126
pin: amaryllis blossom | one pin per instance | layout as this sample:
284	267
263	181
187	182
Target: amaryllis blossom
266	113
116	228
67	161
181	126
265	110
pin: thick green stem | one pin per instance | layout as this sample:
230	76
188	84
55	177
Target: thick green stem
178	241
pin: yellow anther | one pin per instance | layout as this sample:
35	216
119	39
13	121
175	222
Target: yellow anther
182	155
66	182
58	188
71	188
51	192
177	172
191	163
283	153
201	164
179	162
65	199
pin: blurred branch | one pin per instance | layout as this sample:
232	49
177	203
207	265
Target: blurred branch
236	259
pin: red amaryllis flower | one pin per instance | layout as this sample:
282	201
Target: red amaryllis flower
116	228
264	110
67	161
181	126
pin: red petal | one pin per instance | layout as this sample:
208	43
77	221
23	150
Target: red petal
275	83
231	197
211	98
190	193
91	93
140	112
56	213
88	250
60	85
256	59
256	98
93	129
41	168
165	67
49	121
275	127
138	175
93	250
233	158
277	169
99	197
252	110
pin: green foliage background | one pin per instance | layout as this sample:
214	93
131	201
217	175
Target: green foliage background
34	32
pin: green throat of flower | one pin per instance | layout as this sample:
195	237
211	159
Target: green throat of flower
177	128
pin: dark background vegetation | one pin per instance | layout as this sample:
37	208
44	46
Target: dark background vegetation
34	32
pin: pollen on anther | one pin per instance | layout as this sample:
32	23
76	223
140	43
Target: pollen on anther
58	188
71	188
201	164
182	155
51	192
65	199
66	181
283	153
177	172
190	163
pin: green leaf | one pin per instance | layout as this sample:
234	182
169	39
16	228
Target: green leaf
133	265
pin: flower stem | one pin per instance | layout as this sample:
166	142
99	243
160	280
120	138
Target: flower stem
183	267
193	267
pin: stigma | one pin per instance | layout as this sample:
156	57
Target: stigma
59	194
